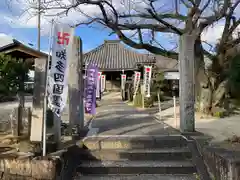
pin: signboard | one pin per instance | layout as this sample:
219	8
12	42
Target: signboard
137	78
98	90
90	90
57	84
147	80
123	81
172	75
103	82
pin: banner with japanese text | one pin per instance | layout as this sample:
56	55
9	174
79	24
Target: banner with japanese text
98	90
147	80
90	89
136	81
57	84
103	82
123	81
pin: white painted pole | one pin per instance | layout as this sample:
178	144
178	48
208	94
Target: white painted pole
159	106
46	94
142	90
174	107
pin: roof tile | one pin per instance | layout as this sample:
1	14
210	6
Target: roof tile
113	56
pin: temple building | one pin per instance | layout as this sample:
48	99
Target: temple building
113	58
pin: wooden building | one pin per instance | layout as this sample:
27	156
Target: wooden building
29	55
169	67
113	58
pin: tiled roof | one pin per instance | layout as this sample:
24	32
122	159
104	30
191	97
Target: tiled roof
7	43
113	56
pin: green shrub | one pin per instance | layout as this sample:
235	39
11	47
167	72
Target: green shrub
219	114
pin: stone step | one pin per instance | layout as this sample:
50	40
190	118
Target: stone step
136	167
138	154
133	142
138	177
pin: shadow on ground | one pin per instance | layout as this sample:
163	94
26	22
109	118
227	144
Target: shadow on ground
137	123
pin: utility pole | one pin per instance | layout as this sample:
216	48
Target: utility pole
39	25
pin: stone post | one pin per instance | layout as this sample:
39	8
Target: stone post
38	97
76	115
187	81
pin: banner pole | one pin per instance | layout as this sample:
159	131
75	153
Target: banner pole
46	94
159	106
175	111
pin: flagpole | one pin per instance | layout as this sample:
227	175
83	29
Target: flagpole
46	93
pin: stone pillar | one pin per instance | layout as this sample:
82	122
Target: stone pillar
75	92
187	81
38	98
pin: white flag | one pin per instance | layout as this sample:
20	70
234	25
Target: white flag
123	81
147	80
98	89
136	82
103	82
58	75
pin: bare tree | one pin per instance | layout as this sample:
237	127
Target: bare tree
176	17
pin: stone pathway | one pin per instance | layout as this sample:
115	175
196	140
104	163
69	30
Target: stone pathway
115	117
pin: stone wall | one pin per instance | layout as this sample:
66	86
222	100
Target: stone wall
29	168
223	164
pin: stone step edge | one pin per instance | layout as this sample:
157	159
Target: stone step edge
135	164
132	151
140	176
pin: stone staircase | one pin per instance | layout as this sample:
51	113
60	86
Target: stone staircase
136	158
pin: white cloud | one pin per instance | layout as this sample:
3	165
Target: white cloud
213	33
5	39
25	15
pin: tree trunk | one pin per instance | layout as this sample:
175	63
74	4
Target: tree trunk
209	90
211	98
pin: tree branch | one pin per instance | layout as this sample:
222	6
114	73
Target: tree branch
218	15
161	16
174	29
154	27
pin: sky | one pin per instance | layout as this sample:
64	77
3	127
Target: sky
20	24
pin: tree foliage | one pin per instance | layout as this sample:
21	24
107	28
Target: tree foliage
12	71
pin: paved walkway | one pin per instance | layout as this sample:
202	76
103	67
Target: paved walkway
115	117
219	129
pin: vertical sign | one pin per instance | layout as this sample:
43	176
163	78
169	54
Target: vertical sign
137	77
147	80
98	90
103	82
123	81
90	90
57	84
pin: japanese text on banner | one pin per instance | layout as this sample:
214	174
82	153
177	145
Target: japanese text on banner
90	89
123	81
58	75
147	80
137	77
